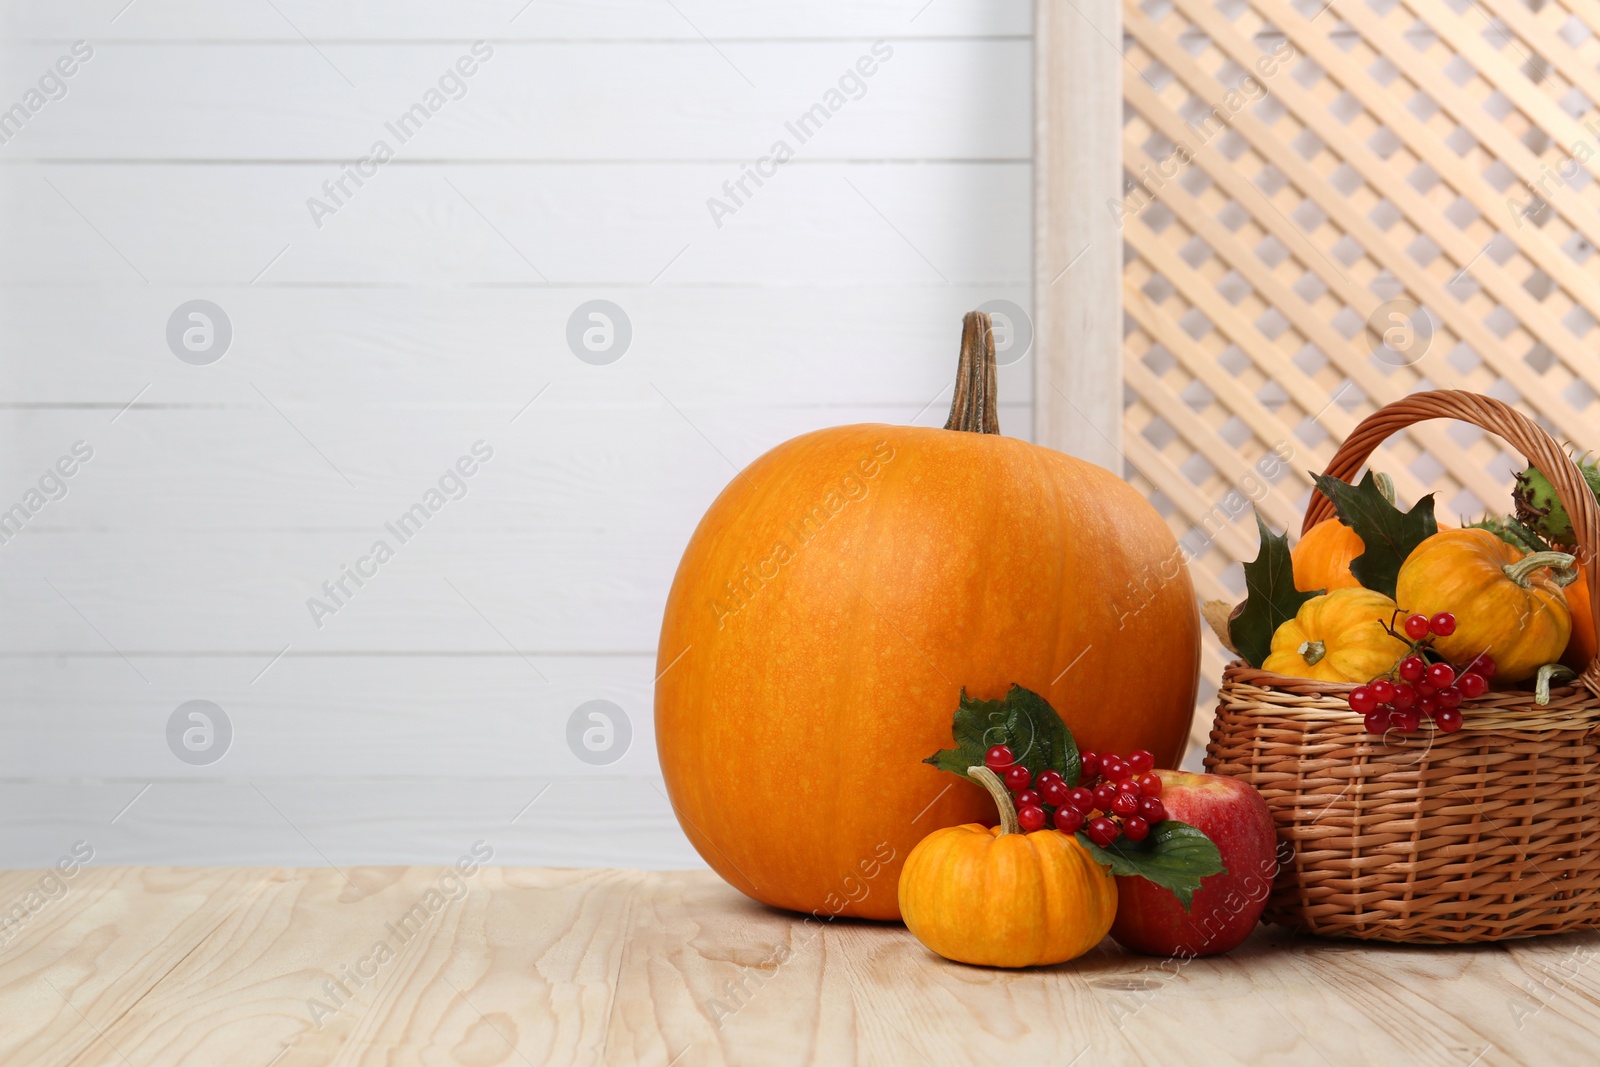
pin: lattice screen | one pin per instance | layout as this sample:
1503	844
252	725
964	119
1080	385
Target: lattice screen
1430	151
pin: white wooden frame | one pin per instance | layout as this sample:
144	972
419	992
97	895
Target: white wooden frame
1077	242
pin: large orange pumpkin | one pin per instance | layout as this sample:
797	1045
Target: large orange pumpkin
845	587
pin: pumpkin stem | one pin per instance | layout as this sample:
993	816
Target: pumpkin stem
1550	672
1559	562
1385	486
1002	798
1312	652
973	408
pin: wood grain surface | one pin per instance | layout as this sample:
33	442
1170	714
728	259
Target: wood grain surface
204	966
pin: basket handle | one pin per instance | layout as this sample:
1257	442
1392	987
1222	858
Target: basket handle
1511	426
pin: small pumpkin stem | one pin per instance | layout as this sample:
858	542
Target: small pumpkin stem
1002	798
1313	651
973	408
1559	562
1385	486
1550	672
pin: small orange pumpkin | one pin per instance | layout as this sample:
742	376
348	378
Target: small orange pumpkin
1322	557
997	897
1506	603
1581	644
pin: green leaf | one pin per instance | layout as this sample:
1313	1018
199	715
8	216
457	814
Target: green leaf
1175	856
1270	599
1531	541
1389	533
1510	530
1024	721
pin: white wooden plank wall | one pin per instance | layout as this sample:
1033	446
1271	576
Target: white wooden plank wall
370	352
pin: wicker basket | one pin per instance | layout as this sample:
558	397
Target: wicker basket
1486	834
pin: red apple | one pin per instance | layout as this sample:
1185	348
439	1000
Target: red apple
1227	906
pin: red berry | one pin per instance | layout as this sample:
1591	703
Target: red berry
998	758
1046	777
1090	763
1411	668
1441	675
1426	688
1404	696
1377	722
1136	828
1029	798
1416	627
1383	689
1055	792
1103	831
1448	720
1068	819
1150	785
1443	624
1125	805
1142	762
1362	700
1406	722
1449	697
1031	818
1472	685
1483	665
1116	770
1152	811
1104	794
1018	778
1129	786
1082	799
1425	706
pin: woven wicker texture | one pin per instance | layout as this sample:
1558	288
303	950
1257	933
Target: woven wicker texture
1489	833
1410	150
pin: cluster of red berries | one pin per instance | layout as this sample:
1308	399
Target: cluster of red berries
1116	795
1416	688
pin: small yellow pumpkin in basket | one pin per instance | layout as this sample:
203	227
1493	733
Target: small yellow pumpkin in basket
1340	636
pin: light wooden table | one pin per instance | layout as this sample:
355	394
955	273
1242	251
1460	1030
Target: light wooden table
157	967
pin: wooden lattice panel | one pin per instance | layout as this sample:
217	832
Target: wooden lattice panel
1438	153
